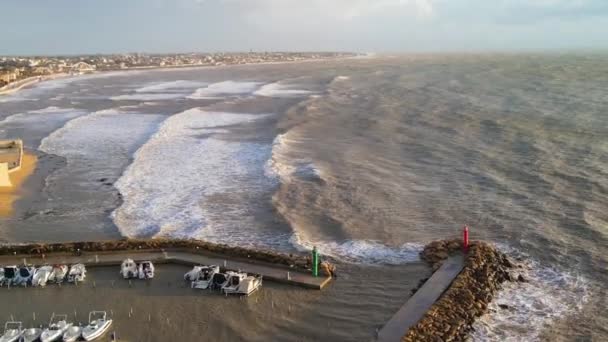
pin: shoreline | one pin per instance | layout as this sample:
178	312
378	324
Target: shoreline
10	90
26	82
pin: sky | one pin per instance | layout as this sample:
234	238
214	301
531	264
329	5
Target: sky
117	26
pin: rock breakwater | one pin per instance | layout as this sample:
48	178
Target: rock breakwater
452	316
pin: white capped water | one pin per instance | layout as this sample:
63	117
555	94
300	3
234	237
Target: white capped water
97	147
367	159
224	88
196	182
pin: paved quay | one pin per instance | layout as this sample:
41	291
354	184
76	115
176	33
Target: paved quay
418	305
268	271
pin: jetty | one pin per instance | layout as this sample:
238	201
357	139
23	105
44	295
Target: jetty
11	158
445	307
418	305
287	269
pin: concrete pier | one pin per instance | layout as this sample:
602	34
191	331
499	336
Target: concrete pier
11	158
415	308
90	259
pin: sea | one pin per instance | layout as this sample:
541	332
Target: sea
366	158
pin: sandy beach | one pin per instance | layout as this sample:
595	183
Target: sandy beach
8	195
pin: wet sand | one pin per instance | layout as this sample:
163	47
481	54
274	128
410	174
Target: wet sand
8	195
167	309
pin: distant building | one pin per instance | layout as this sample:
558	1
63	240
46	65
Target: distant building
8	76
82	67
42	70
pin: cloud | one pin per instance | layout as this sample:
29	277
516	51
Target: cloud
336	9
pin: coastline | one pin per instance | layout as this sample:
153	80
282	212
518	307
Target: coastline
25	83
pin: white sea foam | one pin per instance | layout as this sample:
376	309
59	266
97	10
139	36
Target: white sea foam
281	90
102	141
148	97
187	181
40	123
16	98
173	85
277	166
362	251
341	78
225	88
549	294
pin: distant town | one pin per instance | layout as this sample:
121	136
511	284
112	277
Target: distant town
15	70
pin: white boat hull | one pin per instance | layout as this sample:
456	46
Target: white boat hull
11	337
41	276
72	334
91	334
32	334
51	336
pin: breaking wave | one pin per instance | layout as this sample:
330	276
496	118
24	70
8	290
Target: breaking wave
281	90
521	311
173	85
39	123
225	88
147	97
187	181
362	251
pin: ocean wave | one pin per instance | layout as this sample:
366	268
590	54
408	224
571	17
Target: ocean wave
225	88
40	123
521	311
341	78
173	85
362	251
186	182
281	90
100	137
279	167
147	97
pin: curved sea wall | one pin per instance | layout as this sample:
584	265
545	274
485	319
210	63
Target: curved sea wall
298	262
467	298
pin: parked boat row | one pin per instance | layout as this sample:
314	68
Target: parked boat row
40	276
59	329
143	270
229	282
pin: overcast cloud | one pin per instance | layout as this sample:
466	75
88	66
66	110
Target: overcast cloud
91	26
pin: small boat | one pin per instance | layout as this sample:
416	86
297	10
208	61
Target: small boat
57	326
205	276
72	334
128	269
145	269
97	326
241	283
24	276
31	334
58	274
9	275
193	273
77	273
41	276
218	280
12	332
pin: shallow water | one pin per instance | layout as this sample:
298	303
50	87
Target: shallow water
167	309
368	159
